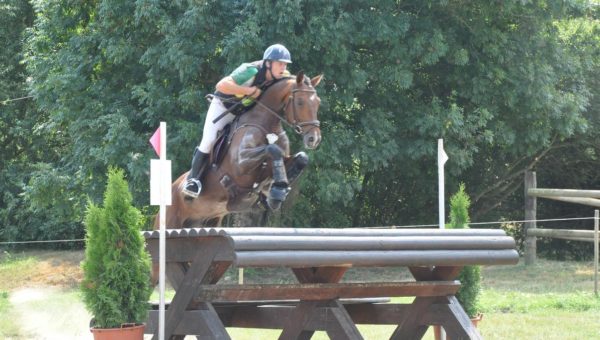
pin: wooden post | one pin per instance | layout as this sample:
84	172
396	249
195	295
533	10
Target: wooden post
530	217
596	222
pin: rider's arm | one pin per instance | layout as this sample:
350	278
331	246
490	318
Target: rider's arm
228	86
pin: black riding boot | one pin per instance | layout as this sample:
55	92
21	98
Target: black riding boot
193	186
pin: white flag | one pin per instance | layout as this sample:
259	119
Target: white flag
442	157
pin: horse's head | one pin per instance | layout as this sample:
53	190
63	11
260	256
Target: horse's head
302	107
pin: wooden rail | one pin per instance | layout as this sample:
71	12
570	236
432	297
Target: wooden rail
532	192
567	234
318	258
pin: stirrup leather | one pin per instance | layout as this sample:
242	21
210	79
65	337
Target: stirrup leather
190	192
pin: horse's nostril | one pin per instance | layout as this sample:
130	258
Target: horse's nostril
311	139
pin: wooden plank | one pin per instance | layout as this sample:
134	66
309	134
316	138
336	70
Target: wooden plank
193	277
530	217
278	242
295	326
298	259
409	327
184	249
341	327
193	322
585	201
323	291
456	323
550	193
562	233
275	316
185	232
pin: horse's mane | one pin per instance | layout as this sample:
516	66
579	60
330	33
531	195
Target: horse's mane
285	80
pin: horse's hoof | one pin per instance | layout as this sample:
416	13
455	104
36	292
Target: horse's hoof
277	195
274	204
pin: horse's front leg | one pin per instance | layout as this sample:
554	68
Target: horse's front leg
279	188
295	165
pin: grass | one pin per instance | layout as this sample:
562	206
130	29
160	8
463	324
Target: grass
15	269
8	329
549	300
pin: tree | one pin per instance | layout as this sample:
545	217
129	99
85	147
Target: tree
502	83
116	285
470	276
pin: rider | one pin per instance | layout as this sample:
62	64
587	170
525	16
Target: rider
237	93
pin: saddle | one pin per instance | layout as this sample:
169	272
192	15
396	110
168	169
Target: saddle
240	198
222	144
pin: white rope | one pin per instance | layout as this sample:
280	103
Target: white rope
403	226
497	222
45	241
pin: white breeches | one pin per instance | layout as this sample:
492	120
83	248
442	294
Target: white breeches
210	129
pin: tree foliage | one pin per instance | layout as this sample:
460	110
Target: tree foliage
470	276
116	284
509	85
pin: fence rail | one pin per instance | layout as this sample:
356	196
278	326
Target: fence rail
586	197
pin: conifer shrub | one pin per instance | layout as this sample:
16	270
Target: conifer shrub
470	276
116	285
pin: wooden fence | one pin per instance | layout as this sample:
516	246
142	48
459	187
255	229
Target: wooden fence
586	197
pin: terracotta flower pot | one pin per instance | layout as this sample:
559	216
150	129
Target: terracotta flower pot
126	332
437	329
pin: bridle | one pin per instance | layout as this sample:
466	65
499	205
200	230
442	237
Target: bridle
294	124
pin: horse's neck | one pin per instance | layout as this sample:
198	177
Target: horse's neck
270	101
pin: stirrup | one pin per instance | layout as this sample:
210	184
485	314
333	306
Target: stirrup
192	192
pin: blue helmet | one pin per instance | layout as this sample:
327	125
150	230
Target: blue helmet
278	52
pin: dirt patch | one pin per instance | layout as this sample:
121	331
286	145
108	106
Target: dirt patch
44	268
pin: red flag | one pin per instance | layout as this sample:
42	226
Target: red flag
155	141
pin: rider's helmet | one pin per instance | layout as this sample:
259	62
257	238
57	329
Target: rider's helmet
277	52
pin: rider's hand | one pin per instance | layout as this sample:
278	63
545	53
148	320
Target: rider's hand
255	92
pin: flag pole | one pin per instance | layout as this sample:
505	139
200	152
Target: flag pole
162	241
442	158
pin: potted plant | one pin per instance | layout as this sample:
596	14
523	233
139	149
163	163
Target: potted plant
116	285
470	276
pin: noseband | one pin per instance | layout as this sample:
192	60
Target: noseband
294	124
299	125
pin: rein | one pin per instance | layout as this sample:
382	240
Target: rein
297	127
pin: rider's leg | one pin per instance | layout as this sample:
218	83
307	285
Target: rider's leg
193	186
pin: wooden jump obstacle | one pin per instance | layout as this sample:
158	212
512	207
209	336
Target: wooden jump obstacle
318	258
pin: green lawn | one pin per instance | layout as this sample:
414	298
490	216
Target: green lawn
550	300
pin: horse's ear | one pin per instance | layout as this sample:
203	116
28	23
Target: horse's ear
300	77
316	80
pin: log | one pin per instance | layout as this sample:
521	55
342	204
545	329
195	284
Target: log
316	258
434	242
362	232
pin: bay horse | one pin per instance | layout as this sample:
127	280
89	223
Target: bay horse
252	165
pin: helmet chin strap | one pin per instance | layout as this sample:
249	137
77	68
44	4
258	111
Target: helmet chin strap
271	69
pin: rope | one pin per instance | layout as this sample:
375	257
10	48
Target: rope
397	227
497	222
45	241
15	99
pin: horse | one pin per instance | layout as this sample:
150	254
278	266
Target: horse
251	166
